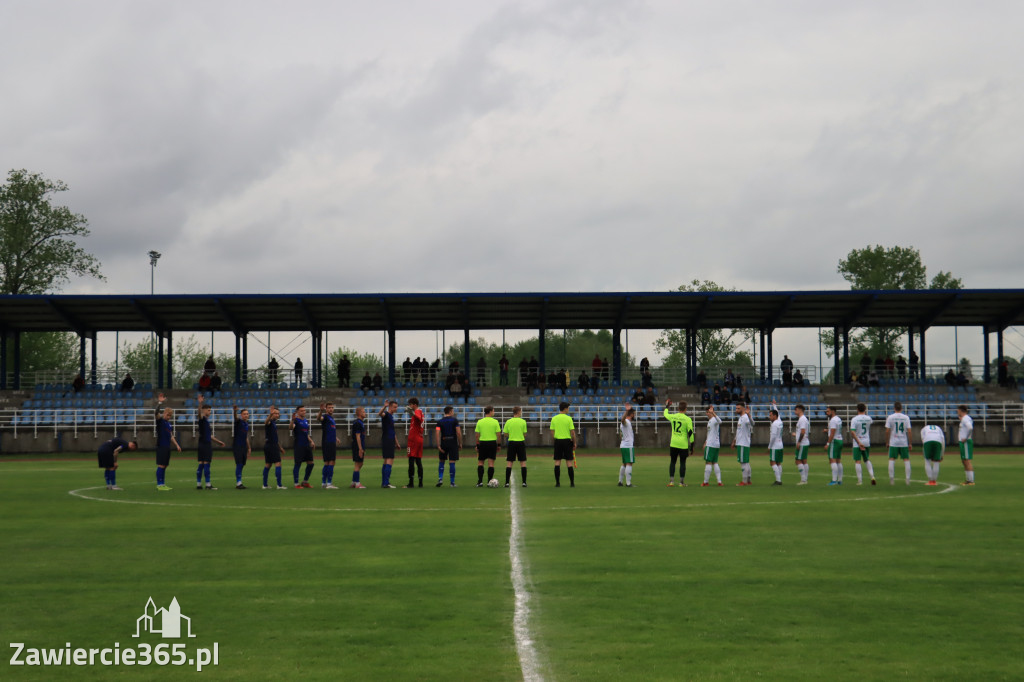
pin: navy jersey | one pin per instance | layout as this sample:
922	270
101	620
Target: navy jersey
241	434
330	428
449	426
387	426
358	432
270	432
114	443
301	434
205	432
164	431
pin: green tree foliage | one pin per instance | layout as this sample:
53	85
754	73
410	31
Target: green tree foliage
360	361
876	268
50	351
188	356
38	251
573	348
716	348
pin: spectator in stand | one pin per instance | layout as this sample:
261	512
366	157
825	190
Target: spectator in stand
961	379
716	395
584	381
951	377
873	379
407	370
563	381
854	378
204	382
865	363
272	368
378	381
890	366
649	397
914	362
645	366
467	388
595	366
455	387
532	380
534	365
524	372
435	369
367	383
604	369
552	380
215	381
901	367
787	377
210	367
745	398
298	370
798	379
1003	373
863	379
481	371
344	371
78	383
128	384
729	380
503	371
880	366
786	364
705	397
637	397
647	381
702	379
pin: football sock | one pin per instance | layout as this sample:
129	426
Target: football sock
857	468
871	469
558	475
970	476
419	469
572	475
206	472
106	477
355	475
309	471
672	467
490	473
277	473
806	472
682	467
412	470
386	474
840	472
777	468
935	471
113	477
629	474
927	469
295	473
707	473
199	473
480	473
835	470
622	472
266	476
238	472
451	472
508	475
323	474
906	468
718	472
746	472
440	470
159	475
522	470
892	469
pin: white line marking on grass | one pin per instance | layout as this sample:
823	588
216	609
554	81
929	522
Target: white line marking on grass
528	659
80	493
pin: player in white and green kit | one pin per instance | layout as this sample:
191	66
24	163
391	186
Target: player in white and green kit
626	446
741	441
933	443
897	435
965	437
834	446
860	431
775	443
712	442
802	440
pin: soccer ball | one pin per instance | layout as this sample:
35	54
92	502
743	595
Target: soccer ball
493	483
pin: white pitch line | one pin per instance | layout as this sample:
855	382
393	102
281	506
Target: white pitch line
528	659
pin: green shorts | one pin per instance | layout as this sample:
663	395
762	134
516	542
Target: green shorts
775	456
711	455
743	454
627	455
860	453
835	449
932	450
899	453
801	452
967	449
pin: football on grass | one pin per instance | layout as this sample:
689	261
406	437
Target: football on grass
493	483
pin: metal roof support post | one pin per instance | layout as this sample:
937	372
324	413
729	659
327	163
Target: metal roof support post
159	359
760	336
617	355
769	356
391	355
3	359
170	365
318	359
836	379
999	344
465	353
541	359
238	357
986	374
245	358
846	354
912	374
17	360
689	360
924	363
92	360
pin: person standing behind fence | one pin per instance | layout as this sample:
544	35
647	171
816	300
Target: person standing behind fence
298	370
681	443
503	371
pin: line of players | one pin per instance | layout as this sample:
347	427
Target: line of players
490	435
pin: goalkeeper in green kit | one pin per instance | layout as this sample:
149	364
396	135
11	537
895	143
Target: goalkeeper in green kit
682	441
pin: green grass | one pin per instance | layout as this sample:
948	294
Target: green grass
650	583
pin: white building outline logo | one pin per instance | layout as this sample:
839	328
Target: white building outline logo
163	622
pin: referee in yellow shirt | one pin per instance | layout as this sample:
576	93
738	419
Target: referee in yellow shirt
564	432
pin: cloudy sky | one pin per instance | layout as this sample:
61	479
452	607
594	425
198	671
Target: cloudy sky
521	146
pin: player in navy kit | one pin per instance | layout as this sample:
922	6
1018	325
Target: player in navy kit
449	440
388	440
330	444
107	456
303	446
358	446
164	439
272	449
240	445
205	445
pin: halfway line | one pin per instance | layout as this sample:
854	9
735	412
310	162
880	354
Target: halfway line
528	660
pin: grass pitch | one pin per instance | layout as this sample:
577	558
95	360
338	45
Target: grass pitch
649	583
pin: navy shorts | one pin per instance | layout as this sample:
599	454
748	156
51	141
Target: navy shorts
272	453
330	451
241	455
163	456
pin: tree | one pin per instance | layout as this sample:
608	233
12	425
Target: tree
50	351
38	252
875	268
563	349
360	361
715	347
187	360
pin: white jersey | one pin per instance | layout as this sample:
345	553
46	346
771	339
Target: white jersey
775	435
803	425
713	440
836	423
966	428
627	434
899	430
861	427
744	427
933	434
